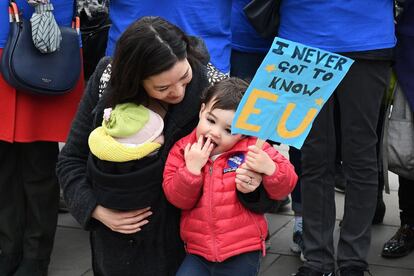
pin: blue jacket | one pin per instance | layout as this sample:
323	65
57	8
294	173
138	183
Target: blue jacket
207	19
338	25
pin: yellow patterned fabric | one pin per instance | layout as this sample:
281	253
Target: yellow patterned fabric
107	148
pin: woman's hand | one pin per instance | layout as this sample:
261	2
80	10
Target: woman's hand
259	161
125	222
247	180
196	155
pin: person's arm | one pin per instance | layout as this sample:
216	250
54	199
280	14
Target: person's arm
182	185
280	182
71	165
125	222
257	201
253	195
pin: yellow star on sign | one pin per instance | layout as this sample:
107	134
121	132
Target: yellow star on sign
319	101
271	67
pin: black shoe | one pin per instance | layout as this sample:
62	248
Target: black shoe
306	271
352	271
379	212
32	267
401	244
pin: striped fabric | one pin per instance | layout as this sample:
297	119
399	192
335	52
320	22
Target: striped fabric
36	2
91	7
45	31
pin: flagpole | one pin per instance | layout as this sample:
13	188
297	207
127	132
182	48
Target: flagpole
260	143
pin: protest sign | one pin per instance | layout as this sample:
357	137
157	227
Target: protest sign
288	91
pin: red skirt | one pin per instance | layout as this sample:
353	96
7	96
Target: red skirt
27	118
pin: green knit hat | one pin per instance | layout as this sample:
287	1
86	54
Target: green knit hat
125	119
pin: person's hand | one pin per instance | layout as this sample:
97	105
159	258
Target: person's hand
259	161
196	155
125	222
247	181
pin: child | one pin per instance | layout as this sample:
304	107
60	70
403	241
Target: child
200	178
129	132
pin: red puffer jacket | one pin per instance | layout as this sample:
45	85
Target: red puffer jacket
214	224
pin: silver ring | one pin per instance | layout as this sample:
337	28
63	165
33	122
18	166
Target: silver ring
250	181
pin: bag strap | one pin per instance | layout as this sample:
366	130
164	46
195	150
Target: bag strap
384	134
14	14
76	17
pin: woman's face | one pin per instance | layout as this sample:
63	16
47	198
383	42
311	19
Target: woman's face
169	86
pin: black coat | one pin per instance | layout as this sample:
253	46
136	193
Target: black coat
157	249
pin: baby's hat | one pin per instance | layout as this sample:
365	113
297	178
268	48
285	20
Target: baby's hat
129	123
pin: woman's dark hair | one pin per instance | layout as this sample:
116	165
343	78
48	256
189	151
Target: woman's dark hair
149	46
225	94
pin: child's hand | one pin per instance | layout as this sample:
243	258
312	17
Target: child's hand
259	161
197	154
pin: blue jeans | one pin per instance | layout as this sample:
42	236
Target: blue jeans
246	264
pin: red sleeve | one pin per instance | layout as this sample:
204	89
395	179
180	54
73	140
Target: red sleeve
281	183
181	187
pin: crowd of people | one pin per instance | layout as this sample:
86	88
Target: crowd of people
150	167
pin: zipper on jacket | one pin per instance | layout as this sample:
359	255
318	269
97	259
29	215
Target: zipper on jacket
262	239
211	213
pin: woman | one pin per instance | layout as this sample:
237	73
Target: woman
155	64
31	127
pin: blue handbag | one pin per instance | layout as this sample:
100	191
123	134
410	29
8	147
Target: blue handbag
24	67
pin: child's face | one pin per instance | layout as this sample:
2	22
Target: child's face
216	124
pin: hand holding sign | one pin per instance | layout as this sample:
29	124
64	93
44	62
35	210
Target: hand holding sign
288	91
259	161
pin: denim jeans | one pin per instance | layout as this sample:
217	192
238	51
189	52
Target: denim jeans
246	264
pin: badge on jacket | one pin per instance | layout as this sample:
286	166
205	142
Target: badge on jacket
233	163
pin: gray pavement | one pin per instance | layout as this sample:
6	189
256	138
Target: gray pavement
71	254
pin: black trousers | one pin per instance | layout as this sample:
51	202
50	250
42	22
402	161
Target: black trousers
405	200
29	197
359	97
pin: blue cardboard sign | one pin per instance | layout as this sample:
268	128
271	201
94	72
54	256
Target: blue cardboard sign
288	90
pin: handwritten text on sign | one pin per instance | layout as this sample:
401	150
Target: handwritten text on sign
288	91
